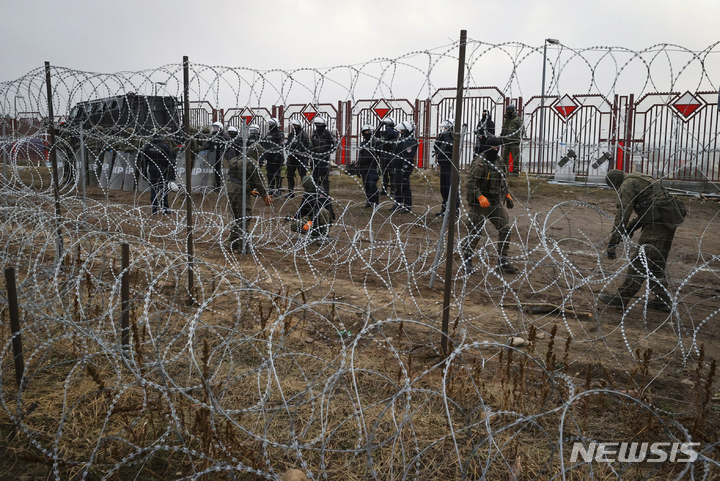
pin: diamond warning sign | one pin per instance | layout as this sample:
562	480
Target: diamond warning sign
566	106
309	112
247	115
687	104
381	109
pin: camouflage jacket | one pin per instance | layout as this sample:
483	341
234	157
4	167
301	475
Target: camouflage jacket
253	176
485	178
638	193
513	128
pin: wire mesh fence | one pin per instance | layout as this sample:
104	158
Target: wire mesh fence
322	352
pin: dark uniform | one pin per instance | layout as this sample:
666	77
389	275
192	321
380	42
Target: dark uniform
316	212
68	141
486	190
215	147
658	216
484	129
443	152
273	157
234	147
388	139
95	148
512	133
368	165
323	144
254	182
298	151
403	165
159	162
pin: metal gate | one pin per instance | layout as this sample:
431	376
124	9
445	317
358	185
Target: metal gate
675	136
575	131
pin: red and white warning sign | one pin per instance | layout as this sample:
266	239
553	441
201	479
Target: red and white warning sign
247	115
309	112
381	109
565	106
687	104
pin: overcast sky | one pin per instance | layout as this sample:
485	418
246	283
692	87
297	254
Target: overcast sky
111	36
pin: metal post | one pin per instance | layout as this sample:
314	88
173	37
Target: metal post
17	122
5	146
15	323
53	160
243	241
551	41
188	176
83	168
438	251
453	192
125	296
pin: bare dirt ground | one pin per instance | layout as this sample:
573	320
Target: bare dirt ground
371	279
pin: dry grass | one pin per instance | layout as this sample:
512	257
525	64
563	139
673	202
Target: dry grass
235	382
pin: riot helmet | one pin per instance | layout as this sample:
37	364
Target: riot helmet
319	123
366	131
253	132
406	128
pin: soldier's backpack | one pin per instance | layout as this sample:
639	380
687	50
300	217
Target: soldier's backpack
672	211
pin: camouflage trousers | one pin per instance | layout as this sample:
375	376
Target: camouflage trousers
514	149
498	217
649	262
236	198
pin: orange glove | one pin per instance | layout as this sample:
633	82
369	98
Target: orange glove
509	202
307	225
484	202
268	199
254	193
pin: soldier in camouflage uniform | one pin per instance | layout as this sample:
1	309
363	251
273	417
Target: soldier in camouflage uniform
316	212
512	133
486	191
254	187
658	215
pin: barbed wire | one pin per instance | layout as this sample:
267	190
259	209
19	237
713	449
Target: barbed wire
322	353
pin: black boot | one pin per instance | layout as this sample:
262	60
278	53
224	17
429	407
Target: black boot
506	266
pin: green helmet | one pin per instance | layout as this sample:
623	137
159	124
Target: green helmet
614	178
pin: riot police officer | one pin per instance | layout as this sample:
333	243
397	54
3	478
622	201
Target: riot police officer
442	150
297	147
485	129
159	162
215	147
403	165
388	138
274	156
368	165
322	145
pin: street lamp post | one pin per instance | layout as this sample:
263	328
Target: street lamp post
551	41
15	126
16	111
155	87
